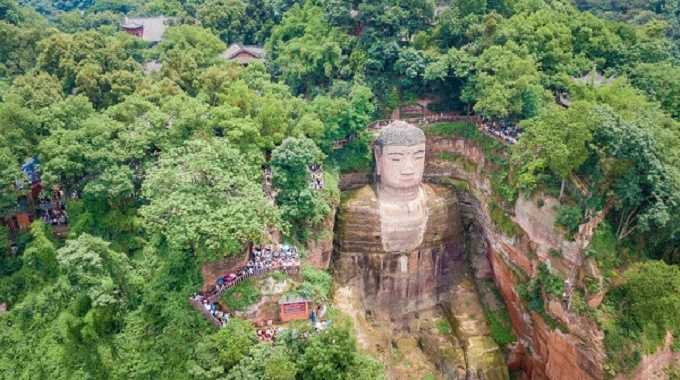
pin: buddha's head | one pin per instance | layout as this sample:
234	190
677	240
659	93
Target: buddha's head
400	156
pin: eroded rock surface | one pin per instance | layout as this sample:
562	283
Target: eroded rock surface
543	352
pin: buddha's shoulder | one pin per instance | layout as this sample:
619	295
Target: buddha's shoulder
439	194
362	198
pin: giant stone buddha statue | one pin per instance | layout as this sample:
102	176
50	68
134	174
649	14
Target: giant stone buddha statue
398	240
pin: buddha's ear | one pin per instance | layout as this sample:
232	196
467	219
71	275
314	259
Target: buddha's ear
377	151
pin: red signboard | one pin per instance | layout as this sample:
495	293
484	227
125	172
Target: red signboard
293	311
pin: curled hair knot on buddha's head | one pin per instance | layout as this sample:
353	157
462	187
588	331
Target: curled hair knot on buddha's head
400	133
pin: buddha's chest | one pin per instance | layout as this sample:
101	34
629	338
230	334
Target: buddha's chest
403	224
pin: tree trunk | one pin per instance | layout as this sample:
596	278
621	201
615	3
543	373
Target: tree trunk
562	188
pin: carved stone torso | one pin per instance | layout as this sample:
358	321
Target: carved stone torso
403	223
408	269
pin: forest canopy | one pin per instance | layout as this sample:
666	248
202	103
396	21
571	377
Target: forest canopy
163	168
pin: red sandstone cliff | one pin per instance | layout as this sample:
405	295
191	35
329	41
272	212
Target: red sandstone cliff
573	349
542	352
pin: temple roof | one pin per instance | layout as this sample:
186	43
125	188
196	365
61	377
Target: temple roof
235	49
593	78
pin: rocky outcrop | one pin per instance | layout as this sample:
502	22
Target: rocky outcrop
354	180
445	352
542	351
555	344
320	249
654	366
483	357
212	270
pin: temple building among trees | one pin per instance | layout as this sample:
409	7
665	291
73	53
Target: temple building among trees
243	54
150	29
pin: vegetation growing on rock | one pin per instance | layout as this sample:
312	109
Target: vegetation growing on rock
162	170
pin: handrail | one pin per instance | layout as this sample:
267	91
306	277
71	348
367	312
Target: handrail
215	296
212	298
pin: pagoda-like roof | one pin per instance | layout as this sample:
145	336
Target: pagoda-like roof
235	49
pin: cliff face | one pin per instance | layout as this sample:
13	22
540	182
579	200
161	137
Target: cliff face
543	351
555	344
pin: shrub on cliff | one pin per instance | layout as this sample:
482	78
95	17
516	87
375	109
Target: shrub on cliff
640	312
653	294
569	218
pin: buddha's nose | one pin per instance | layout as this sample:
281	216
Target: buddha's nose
409	167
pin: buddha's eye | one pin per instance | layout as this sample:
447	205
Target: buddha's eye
395	160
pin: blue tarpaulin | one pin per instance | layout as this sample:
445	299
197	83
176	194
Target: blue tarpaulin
32	169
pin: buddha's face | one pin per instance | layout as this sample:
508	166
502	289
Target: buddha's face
400	166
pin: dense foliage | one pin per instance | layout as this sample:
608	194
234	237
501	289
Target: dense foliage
162	169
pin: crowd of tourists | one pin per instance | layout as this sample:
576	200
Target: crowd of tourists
268	258
262	259
267	334
55	217
211	310
503	129
317	177
53	211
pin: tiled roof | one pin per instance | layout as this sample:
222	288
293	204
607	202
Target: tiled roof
234	49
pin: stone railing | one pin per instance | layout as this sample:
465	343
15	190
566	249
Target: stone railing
449	116
424	120
215	296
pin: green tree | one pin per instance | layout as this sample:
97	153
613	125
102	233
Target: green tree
556	139
505	84
301	206
36	90
100	67
70	156
653	294
9	175
332	354
217	353
346	118
184	51
224	17
39	259
305	50
202	197
660	81
265	362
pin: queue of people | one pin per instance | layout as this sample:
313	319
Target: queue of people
262	259
211	310
316	173
505	130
